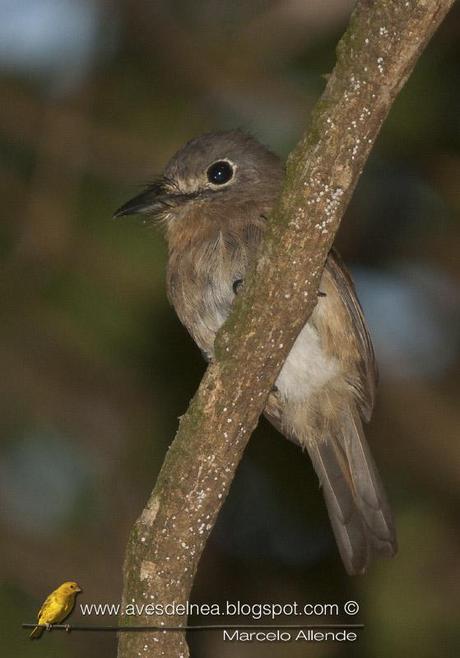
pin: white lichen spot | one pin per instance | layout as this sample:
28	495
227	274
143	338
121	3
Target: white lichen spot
149	514
356	83
365	112
201	495
148	570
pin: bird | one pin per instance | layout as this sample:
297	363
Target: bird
213	201
57	606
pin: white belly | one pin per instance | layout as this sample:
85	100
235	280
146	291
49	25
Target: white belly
307	368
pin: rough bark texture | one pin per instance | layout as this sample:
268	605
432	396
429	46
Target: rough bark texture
374	59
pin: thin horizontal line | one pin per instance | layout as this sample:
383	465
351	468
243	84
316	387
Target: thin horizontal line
213	627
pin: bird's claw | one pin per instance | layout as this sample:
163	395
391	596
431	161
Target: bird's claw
48	627
237	285
68	628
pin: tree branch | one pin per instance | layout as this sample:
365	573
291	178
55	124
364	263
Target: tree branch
374	59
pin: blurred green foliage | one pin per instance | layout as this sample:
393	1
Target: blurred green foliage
96	368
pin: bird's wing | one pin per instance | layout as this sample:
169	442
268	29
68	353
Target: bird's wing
356	502
367	367
47	609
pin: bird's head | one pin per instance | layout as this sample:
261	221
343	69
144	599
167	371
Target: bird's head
70	587
212	176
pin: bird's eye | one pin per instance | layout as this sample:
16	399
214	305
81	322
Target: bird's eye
220	172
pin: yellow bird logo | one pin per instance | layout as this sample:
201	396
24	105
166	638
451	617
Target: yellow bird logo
57	606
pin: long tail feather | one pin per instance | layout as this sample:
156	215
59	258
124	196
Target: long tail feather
36	633
354	495
369	492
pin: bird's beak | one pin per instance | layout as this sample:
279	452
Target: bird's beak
79	589
152	201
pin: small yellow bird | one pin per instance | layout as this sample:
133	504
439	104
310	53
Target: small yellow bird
57	606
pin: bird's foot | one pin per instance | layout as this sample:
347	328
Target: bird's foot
207	356
48	627
237	285
68	628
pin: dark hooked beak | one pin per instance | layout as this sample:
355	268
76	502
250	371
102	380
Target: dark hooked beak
151	201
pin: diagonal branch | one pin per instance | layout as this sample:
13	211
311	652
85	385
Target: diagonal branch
374	59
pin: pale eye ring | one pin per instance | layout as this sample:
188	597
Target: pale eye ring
220	172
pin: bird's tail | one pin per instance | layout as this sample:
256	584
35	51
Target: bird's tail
360	515
36	633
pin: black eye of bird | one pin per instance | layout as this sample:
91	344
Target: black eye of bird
220	172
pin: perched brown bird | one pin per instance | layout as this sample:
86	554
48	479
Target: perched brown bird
213	200
57	606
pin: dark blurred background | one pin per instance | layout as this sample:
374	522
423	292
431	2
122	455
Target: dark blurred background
95	368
